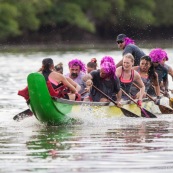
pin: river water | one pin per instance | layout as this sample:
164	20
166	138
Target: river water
116	145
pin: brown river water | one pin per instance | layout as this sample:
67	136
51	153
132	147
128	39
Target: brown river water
104	146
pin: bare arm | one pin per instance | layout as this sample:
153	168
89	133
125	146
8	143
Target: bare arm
118	71
59	77
139	82
76	85
156	85
157	90
170	72
88	81
87	77
119	94
69	85
165	83
120	63
135	67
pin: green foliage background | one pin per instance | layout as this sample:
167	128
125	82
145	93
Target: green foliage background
69	18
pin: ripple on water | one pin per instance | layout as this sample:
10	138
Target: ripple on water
101	144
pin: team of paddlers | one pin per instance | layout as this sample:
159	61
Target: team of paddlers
136	74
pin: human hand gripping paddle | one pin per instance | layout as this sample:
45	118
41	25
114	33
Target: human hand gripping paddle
163	109
170	99
144	112
125	111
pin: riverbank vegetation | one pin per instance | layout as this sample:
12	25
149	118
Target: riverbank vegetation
23	21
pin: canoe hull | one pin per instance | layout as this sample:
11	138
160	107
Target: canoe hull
54	111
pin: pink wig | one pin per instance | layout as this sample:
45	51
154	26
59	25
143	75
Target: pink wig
128	40
77	62
157	55
107	59
108	64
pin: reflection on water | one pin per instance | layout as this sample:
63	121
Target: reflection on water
54	141
102	149
102	145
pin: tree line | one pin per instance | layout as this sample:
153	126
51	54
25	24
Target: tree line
68	19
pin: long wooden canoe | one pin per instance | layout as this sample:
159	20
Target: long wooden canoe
54	111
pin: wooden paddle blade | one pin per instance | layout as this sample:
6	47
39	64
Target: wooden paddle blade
22	115
171	102
128	113
125	111
147	114
165	110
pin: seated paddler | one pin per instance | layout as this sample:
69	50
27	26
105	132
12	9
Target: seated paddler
148	75
57	84
157	55
77	70
127	76
105	80
92	65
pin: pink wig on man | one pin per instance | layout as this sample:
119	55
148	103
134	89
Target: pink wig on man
124	38
157	55
77	62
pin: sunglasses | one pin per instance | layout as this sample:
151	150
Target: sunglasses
119	42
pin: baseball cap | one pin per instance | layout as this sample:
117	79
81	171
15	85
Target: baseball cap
121	37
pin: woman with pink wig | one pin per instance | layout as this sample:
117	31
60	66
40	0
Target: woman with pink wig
157	55
128	46
105	80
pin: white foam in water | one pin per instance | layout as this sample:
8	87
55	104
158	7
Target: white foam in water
97	116
90	114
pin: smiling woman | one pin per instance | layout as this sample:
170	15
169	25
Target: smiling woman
127	76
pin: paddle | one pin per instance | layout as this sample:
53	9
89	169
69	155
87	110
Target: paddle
170	99
144	112
163	109
125	111
22	115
